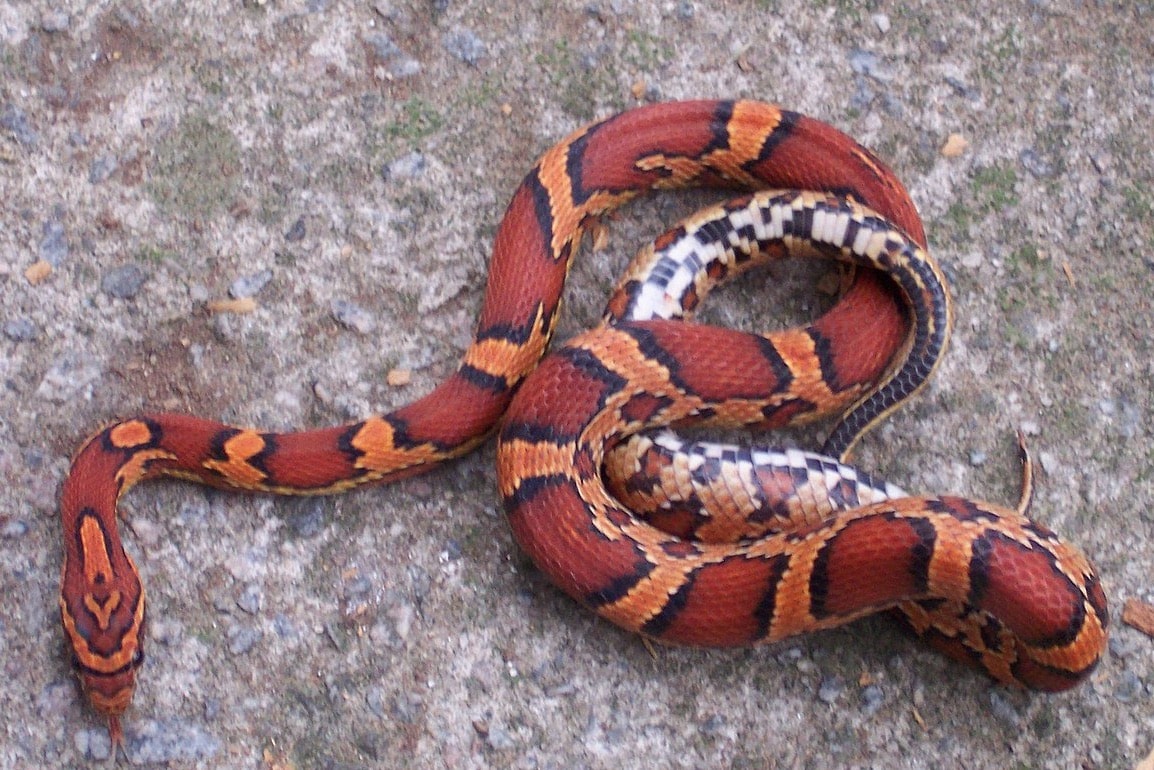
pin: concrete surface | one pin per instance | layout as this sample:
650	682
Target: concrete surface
346	164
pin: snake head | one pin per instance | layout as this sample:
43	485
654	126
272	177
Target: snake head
102	610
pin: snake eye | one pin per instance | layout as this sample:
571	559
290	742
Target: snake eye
138	657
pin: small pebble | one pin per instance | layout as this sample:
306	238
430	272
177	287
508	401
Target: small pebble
127	18
212	709
863	95
893	107
251	599
1122	645
375	699
451	551
713	725
249	285
34	459
1129	688
419	580
222	605
1039	167
54	21
375	746
407	708
102	168
383	634
382	45
68	378
960	87
297	231
307	519
402	617
1003	709
21	330
405	68
352	316
465	45
93	743
872	698
978	458
1128	419
123	282
591	60
868	63
882	22
399	65
830	689
972	260
154	743
193	513
14	120
53	243
166	631
405	167
14	529
500	739
284	627
792	653
358	589
242	639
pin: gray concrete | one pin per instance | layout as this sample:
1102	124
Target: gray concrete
345	165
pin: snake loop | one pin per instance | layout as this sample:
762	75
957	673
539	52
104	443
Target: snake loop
983	582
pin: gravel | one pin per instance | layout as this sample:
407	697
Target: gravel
53	243
21	329
15	120
102	168
353	316
465	45
348	165
249	285
124	282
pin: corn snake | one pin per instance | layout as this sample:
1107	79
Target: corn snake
982	582
595	170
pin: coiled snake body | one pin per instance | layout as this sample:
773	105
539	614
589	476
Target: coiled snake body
983	581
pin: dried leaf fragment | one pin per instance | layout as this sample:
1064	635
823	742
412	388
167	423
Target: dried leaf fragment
238	306
955	145
1140	615
37	272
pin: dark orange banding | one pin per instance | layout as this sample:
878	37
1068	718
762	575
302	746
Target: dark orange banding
982	582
